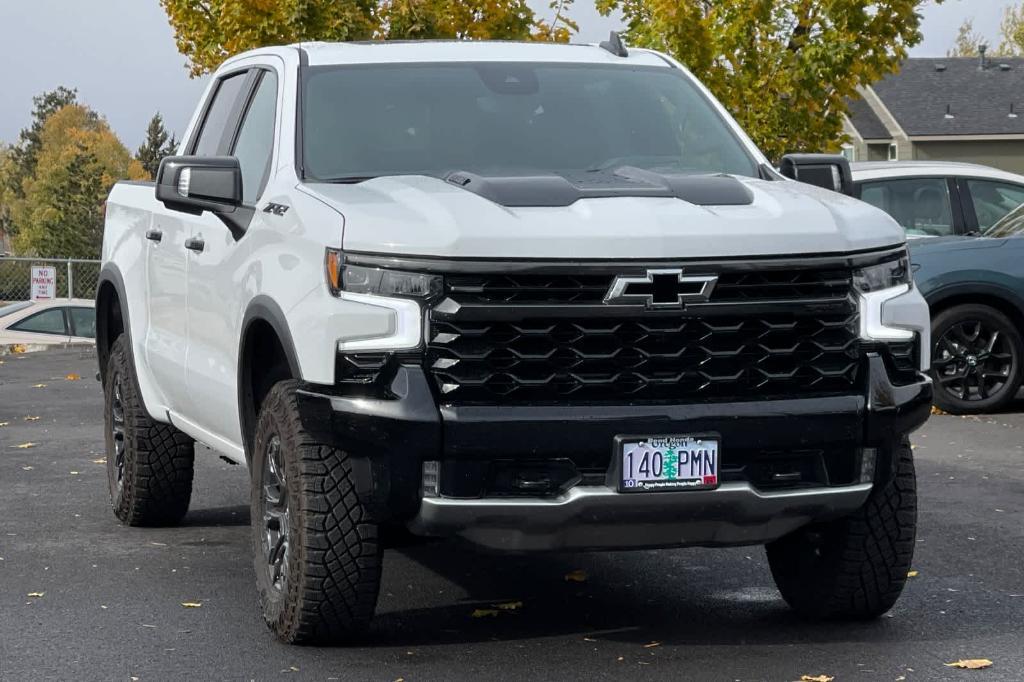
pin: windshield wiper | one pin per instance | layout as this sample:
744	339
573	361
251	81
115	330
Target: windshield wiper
347	179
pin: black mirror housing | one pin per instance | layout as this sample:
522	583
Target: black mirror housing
831	171
193	184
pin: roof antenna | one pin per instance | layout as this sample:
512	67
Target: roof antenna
614	45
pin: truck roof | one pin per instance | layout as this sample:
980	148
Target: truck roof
379	52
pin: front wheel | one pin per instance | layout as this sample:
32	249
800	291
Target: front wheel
977	359
317	553
854	567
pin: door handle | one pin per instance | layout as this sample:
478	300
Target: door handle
195	244
154	235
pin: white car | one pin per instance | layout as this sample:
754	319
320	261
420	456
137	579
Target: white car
60	321
939	198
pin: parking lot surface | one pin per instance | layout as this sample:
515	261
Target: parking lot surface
84	598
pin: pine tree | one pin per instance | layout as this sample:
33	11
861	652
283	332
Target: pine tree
159	143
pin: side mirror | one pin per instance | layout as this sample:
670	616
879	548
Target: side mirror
193	184
831	171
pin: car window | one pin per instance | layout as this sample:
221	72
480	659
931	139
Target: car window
920	205
993	200
218	115
83	322
49	321
256	138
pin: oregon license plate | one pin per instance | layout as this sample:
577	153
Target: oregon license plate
668	463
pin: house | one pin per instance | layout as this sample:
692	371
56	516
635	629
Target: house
950	109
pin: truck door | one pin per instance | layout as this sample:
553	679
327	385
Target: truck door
168	257
216	277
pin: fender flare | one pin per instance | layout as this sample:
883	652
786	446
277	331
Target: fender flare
110	275
261	308
938	296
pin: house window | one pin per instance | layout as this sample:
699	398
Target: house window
894	154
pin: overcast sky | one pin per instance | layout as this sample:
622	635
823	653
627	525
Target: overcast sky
121	57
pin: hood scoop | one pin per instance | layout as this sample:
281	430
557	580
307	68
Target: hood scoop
551	189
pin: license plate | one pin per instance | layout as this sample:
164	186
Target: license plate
668	463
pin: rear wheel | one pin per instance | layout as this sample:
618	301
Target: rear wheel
149	463
854	567
976	361
317	554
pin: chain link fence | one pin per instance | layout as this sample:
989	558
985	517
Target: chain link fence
75	278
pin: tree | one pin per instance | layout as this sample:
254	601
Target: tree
783	68
967	41
158	144
1012	32
19	163
78	160
209	31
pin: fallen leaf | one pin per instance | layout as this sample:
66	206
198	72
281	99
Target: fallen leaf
74	473
191	604
101	460
510	605
3	424
36	594
651	645
971	663
39	386
25	446
911	574
589	639
577	576
31	419
19	348
72	377
816	678
28	468
485	613
936	410
620	658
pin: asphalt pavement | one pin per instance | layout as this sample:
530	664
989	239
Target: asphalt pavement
84	598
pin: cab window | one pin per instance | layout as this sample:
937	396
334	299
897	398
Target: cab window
83	322
50	321
255	143
921	205
218	115
993	200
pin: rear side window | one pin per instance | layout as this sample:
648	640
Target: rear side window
920	205
993	200
256	138
50	321
83	322
218	115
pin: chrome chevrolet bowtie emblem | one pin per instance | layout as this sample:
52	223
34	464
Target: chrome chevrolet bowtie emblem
668	288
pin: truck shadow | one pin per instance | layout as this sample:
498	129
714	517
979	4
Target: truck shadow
674	597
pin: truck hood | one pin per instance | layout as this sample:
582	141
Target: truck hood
417	215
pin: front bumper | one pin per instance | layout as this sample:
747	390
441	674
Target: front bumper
389	437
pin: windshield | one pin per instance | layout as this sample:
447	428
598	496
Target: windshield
507	118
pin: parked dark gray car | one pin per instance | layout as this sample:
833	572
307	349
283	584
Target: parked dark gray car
975	288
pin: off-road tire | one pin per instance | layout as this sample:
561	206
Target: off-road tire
992	319
156	465
333	559
854	567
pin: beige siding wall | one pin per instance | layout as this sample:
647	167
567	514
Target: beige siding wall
1008	156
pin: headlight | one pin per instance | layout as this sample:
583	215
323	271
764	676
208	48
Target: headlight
885	275
357	279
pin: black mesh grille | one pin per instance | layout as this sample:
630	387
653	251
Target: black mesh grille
488	348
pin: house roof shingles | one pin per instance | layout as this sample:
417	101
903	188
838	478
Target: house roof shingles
863	118
978	100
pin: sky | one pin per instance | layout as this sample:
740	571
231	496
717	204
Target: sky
120	55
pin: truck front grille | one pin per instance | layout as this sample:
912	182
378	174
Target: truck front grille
776	333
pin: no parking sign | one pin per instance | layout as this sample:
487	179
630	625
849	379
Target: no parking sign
44	283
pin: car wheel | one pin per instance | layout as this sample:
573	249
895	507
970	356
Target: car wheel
854	567
976	359
149	463
317	554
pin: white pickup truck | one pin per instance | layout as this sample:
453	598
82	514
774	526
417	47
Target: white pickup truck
537	297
